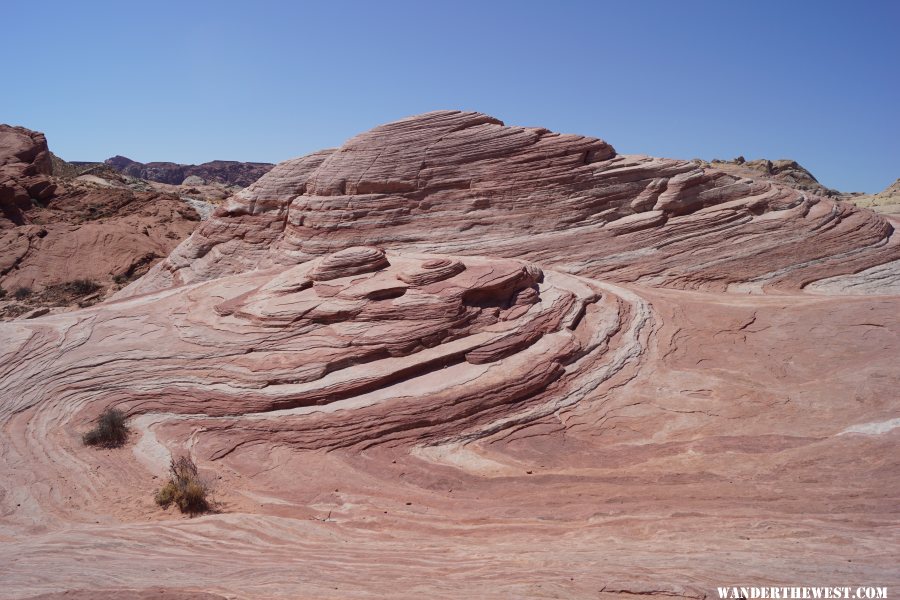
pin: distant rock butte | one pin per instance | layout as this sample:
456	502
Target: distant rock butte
458	359
228	172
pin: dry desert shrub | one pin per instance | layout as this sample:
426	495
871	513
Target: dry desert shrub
110	430
80	287
185	488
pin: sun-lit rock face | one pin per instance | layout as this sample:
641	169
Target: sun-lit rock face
463	183
459	359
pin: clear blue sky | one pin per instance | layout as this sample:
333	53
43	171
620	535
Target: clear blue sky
817	81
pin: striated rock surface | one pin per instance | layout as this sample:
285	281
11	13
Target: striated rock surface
459	359
464	183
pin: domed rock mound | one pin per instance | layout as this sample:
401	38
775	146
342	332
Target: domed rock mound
464	183
350	261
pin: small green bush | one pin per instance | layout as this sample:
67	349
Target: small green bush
110	430
185	488
166	494
22	293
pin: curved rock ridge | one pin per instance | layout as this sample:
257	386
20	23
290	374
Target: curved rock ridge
464	183
349	261
356	329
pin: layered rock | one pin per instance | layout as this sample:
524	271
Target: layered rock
783	171
464	183
486	334
419	366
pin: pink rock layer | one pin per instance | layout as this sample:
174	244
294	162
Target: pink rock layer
384	421
463	183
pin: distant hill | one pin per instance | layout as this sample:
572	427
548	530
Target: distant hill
228	172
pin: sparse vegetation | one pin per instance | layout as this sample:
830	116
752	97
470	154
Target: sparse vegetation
185	488
22	293
80	287
110	430
81	291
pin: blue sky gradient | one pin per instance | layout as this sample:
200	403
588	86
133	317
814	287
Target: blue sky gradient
816	81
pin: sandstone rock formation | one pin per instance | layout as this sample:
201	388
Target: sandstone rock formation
458	359
886	202
82	228
792	174
454	182
25	167
783	171
229	172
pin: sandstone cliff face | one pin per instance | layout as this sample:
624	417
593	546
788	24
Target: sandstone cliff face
25	167
458	359
456	182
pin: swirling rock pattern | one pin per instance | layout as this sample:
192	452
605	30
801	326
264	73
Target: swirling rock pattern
349	261
459	359
432	271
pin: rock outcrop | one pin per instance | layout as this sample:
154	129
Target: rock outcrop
782	171
25	169
464	183
458	359
885	202
87	230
